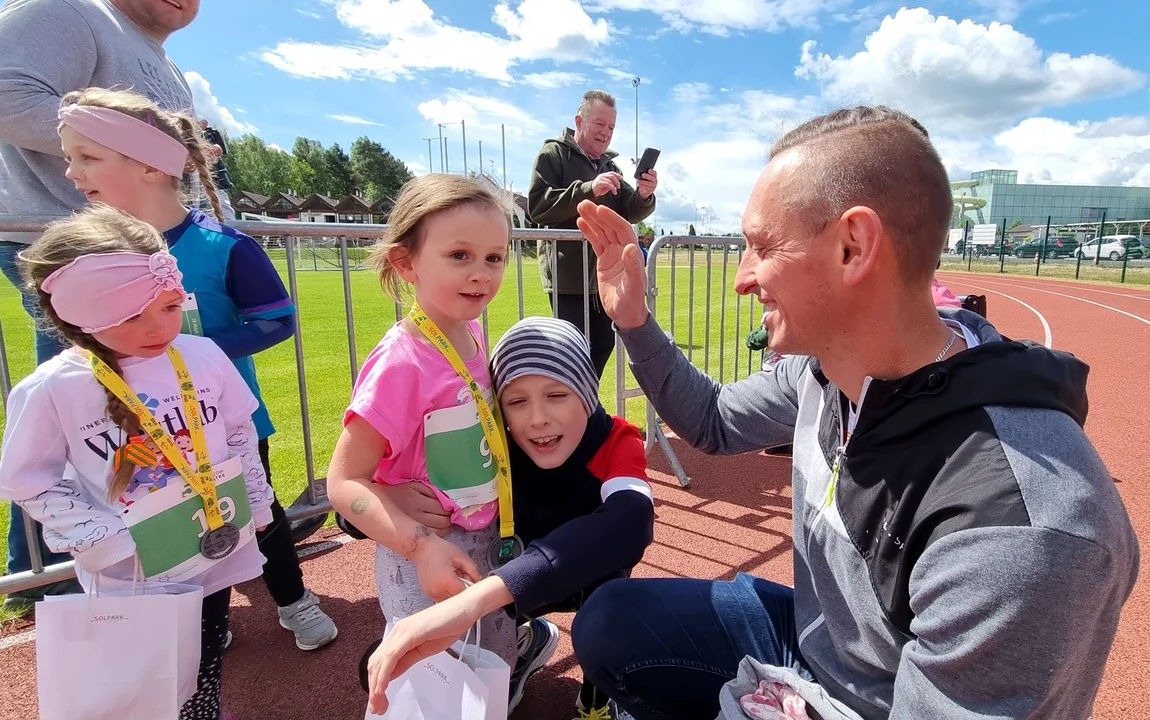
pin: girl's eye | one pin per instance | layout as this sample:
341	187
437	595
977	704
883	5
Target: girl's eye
513	401
495	259
557	395
459	255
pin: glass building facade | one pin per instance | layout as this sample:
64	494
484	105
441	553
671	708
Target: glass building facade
1031	204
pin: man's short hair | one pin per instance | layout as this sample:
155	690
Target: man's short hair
589	99
883	159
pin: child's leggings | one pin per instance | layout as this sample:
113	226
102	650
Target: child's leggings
400	595
205	704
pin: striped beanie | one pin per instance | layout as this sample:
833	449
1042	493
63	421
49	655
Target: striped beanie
550	347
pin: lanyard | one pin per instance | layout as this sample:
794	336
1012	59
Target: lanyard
201	479
488	420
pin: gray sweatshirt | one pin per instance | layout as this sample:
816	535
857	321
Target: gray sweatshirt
49	48
973	556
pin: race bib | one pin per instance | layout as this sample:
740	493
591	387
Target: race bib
167	524
459	461
192	324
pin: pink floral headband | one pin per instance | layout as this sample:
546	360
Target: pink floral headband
97	292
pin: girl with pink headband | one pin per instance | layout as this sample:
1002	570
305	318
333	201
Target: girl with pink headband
88	448
126	151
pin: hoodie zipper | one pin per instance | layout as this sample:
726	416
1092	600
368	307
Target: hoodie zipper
837	464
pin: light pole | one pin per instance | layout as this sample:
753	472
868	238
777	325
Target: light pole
464	125
430	163
636	83
480	157
441	149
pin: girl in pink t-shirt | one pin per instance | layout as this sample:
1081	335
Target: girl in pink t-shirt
413	418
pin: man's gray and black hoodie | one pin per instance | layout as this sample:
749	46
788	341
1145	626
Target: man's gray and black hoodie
973	555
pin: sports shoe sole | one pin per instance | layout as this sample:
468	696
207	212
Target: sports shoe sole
535	666
302	646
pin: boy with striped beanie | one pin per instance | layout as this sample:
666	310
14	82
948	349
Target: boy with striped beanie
582	504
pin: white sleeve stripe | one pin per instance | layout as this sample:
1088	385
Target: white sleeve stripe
617	484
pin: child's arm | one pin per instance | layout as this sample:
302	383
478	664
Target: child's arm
32	469
586	549
237	403
261	299
354	494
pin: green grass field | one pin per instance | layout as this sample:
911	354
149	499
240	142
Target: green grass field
328	365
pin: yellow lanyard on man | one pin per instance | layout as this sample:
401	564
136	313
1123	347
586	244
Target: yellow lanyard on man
488	419
221	537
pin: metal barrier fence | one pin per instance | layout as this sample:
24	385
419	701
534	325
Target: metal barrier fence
1060	251
339	237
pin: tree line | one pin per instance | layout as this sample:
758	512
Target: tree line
309	168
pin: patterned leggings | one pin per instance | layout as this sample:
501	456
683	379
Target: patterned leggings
205	704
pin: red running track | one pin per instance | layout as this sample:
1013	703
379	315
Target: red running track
736	516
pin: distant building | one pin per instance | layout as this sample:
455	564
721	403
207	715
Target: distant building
991	196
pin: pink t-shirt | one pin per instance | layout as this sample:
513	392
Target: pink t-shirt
943	297
408	391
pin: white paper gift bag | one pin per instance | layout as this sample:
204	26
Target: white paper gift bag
463	683
129	654
493	671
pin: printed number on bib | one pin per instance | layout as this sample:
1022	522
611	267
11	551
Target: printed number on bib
169	525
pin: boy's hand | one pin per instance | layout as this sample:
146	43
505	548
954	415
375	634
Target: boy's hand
418	502
440	564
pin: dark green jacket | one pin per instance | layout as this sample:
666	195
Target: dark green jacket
560	181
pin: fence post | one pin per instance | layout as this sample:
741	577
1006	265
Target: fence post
305	420
345	270
966	246
1045	242
1002	248
1101	232
5	374
1125	259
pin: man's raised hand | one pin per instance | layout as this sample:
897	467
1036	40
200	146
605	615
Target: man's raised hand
622	281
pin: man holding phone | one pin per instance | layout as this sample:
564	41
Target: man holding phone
569	169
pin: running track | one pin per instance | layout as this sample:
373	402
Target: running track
723	524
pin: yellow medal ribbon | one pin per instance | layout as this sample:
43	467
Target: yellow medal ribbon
200	478
488	419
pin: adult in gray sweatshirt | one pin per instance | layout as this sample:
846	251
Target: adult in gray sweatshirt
49	48
960	550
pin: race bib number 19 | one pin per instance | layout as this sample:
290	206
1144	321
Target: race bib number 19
167	524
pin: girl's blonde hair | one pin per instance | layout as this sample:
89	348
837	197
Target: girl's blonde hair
95	230
419	199
178	125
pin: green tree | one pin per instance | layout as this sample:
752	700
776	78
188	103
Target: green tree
341	183
311	169
1015	224
376	171
691	229
255	167
644	229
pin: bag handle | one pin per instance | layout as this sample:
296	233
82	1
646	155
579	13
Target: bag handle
137	577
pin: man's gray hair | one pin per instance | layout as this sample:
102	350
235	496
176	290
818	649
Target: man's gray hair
589	99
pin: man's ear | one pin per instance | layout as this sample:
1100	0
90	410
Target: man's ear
860	237
400	259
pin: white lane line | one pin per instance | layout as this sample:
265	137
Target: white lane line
1049	340
19	639
329	544
1066	285
1075	297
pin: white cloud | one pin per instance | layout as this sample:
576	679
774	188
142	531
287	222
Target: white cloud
691	92
721	18
621	75
480	112
273	146
1002	10
354	120
554	79
209	108
1060	16
961	75
1112	152
404	36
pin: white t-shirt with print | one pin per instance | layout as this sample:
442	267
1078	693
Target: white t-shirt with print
59	444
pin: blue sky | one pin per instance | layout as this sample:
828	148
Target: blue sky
1057	89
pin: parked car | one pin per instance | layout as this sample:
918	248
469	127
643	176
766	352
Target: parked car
1051	248
1113	247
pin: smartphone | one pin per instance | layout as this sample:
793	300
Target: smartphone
650	156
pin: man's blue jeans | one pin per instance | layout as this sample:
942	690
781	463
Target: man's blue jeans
663	648
48	345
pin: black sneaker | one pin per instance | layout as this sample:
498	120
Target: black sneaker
538	639
303	529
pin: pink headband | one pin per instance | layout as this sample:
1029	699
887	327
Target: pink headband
128	136
97	292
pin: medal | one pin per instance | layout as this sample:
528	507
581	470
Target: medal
221	538
219	543
503	550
